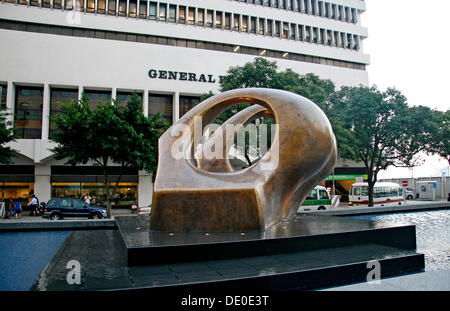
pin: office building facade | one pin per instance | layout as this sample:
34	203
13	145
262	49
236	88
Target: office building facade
169	52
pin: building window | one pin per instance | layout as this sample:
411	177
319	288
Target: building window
101	6
269	27
187	103
123	97
315	38
182	14
244	23
333	11
95	97
261	29
162	104
172	13
219	18
209	18
90	6
308	34
162	12
313	7
355	42
301	33
354	18
125	196
152	11
236	22
57	4
58	96
349	41
46	3
143	9
277	28
3	93
17	191
111	7
253	25
28	112
200	17
122	8
191	17
227	21
322	36
292	32
132	8
329	37
285	30
80	5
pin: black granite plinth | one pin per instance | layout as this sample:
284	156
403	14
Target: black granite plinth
104	267
143	246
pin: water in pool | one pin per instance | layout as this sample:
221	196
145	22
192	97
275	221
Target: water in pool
432	234
24	255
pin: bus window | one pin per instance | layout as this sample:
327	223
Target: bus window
365	191
323	195
312	195
357	191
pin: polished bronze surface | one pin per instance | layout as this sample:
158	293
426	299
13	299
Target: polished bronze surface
191	195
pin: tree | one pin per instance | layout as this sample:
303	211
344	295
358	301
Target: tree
6	136
108	134
441	142
379	129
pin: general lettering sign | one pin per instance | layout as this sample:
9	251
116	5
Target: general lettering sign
182	76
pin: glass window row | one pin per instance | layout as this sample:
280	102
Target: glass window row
309	34
312	7
172	13
29	101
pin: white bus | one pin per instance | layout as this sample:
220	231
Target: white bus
384	194
317	200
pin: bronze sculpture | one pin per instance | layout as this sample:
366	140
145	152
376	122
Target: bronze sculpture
191	195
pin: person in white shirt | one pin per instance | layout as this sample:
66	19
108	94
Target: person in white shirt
87	198
34	206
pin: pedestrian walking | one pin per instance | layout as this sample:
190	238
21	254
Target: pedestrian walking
11	207
34	204
18	209
87	198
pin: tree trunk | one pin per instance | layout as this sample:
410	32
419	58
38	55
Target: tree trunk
246	156
370	190
108	194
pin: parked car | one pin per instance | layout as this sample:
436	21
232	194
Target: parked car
67	207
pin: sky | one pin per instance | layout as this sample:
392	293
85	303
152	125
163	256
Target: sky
409	49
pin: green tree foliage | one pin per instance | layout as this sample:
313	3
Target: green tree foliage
379	129
108	134
6	136
440	143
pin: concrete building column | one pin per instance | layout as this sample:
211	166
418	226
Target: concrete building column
42	184
176	107
10	101
46	112
145	188
145	103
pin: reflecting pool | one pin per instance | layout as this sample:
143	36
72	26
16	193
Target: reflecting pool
432	234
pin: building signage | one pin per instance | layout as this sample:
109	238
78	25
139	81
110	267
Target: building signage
182	76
